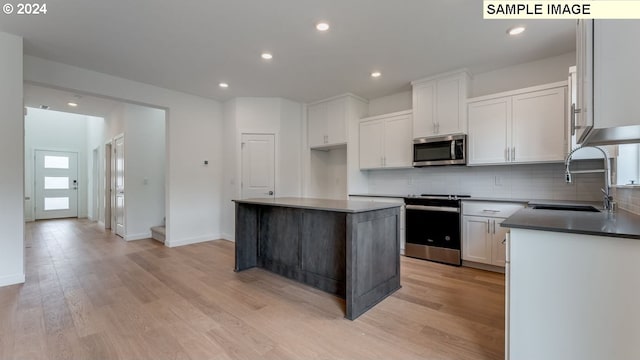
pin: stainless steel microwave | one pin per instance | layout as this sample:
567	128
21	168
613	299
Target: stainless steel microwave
445	150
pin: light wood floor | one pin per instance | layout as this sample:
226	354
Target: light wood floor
91	295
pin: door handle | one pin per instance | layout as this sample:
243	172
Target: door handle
270	193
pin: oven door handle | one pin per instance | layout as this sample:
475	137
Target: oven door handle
433	208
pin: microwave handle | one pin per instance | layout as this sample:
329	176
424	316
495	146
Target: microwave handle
453	150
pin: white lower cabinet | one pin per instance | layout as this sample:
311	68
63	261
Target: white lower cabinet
483	240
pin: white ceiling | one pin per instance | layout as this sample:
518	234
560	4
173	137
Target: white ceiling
35	96
191	46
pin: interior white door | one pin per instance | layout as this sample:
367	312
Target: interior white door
56	184
258	166
118	173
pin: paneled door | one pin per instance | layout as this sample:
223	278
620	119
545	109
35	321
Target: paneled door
118	174
56	184
258	166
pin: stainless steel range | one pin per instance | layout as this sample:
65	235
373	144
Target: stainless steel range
433	228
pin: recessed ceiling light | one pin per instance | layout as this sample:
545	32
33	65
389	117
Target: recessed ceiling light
323	26
72	104
515	30
376	74
267	56
223	85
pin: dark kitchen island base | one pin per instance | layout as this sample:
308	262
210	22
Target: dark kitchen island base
347	248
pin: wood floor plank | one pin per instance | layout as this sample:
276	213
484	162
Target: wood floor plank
91	295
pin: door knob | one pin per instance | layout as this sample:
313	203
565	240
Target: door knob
270	192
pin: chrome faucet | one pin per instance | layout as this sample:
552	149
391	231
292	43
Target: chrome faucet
608	198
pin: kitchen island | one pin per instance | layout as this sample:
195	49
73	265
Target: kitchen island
571	285
347	248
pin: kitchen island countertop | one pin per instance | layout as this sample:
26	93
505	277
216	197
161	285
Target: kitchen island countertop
348	206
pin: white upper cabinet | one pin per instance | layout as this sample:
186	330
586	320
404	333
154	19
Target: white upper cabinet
538	133
522	126
607	82
372	144
439	105
318	124
385	141
489	131
328	119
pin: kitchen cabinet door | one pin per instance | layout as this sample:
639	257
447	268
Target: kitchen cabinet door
499	244
538	130
476	239
317	124
372	144
336	121
450	117
489	131
423	109
398	144
584	74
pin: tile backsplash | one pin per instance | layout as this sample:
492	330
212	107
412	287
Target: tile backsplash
536	181
628	198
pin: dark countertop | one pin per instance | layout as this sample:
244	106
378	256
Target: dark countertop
349	206
618	224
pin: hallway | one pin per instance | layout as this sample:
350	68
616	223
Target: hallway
91	295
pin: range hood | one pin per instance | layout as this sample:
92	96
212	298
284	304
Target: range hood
614	136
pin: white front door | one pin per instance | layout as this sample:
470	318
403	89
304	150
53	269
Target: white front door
258	166
118	173
56	184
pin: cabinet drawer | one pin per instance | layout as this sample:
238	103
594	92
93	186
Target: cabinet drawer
490	208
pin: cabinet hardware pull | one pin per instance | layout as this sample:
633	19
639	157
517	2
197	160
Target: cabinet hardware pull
513	153
488	226
506	154
574	112
491	211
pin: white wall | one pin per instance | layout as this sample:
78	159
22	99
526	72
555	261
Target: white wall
12	160
144	149
261	115
539	181
523	75
519	76
95	139
70	135
392	103
194	133
144	137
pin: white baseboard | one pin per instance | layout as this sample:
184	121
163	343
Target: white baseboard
228	237
194	240
140	236
11	279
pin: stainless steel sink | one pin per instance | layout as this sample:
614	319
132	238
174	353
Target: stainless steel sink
584	208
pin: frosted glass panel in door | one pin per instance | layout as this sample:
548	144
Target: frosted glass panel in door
56	182
56	203
56	162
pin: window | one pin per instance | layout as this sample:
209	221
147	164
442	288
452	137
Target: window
628	164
